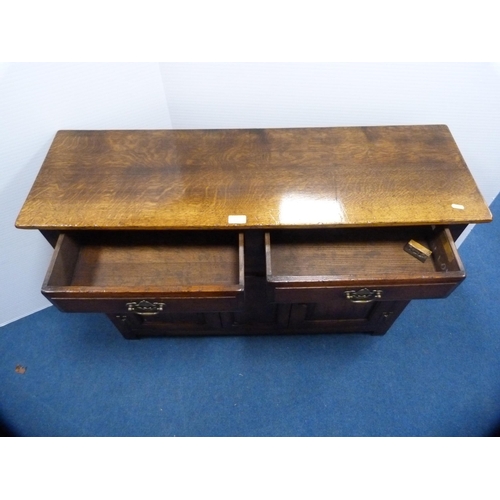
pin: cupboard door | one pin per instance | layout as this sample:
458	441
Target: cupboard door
340	316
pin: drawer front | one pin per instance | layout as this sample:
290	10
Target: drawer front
361	292
150	306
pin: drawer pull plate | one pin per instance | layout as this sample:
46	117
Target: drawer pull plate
145	308
363	296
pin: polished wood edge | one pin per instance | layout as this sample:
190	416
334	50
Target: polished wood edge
256	226
243	129
366	281
231	227
157	291
113	294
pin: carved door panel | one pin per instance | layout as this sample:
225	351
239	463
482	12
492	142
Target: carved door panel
340	316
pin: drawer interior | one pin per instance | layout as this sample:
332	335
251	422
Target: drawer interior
358	253
154	259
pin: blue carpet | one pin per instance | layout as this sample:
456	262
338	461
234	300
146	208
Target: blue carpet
436	373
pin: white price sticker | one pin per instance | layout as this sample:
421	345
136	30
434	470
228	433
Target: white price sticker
237	219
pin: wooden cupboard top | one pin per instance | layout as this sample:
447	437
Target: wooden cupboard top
254	178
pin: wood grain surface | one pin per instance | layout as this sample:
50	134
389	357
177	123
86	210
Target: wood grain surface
197	179
179	261
356	254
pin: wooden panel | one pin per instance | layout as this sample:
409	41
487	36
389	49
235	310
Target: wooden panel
331	314
334	317
178	179
338	310
63	262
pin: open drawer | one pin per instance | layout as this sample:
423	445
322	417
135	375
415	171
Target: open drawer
147	272
360	265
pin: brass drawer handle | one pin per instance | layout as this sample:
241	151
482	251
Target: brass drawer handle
145	308
363	296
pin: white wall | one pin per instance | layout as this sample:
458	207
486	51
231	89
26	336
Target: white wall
464	96
36	100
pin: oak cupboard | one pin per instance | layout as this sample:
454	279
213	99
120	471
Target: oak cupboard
258	231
